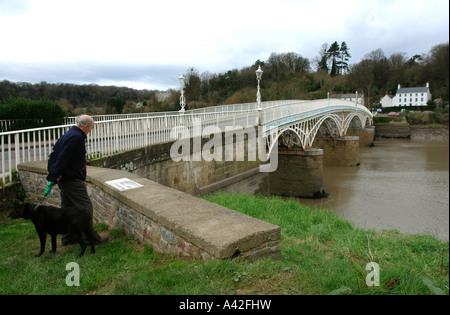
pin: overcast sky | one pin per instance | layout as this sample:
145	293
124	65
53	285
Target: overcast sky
147	44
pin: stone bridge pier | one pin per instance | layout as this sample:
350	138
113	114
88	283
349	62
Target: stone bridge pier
299	173
343	151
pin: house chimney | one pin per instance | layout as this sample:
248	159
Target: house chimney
428	84
399	87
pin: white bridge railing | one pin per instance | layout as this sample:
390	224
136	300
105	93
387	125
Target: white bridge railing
109	136
114	133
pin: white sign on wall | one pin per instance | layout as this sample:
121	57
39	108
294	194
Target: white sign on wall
122	184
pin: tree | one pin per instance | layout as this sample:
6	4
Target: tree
31	114
193	85
333	59
115	105
344	57
287	63
322	61
436	70
333	54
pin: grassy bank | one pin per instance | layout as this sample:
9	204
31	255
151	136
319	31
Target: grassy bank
322	254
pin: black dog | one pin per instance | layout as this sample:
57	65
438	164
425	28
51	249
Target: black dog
55	221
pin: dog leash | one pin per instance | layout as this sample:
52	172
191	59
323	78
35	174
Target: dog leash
39	203
47	192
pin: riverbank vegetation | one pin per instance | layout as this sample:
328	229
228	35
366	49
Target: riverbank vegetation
287	75
415	118
321	254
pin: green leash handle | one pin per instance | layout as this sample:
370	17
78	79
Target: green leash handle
48	189
47	192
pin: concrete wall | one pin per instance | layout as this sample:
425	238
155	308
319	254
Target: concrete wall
172	221
194	177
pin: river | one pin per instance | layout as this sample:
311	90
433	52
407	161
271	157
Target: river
401	184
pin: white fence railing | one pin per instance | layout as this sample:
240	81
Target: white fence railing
293	107
111	135
201	111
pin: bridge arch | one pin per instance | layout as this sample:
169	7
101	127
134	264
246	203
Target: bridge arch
303	134
352	119
289	133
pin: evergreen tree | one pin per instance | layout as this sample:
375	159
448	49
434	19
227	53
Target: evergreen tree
334	54
344	56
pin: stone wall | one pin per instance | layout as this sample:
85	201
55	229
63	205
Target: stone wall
7	193
393	130
339	151
172	221
155	163
299	173
366	136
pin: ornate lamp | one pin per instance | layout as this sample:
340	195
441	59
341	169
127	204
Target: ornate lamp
181	79
259	73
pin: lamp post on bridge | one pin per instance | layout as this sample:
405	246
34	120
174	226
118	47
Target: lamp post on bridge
259	73
356	101
181	79
328	93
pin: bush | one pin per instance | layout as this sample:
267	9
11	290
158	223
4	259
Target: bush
427	118
381	120
28	113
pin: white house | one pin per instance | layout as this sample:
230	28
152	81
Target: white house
386	101
415	96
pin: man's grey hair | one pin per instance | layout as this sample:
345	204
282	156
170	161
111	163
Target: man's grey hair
84	120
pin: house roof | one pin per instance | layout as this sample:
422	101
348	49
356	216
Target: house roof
413	90
348	95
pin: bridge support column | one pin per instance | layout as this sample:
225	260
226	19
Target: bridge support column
339	151
366	136
299	173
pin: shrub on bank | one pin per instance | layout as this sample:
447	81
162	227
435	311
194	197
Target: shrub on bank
420	118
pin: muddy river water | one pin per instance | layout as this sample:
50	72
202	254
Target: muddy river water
401	184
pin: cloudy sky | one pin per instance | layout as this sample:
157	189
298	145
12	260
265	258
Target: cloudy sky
147	44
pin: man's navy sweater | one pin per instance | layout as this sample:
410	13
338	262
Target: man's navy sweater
68	157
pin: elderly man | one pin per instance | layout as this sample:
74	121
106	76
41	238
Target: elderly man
67	168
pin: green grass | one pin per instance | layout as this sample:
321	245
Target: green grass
321	254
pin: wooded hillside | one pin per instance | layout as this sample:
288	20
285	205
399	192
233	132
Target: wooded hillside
286	76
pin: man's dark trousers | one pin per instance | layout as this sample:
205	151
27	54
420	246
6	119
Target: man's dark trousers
74	193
